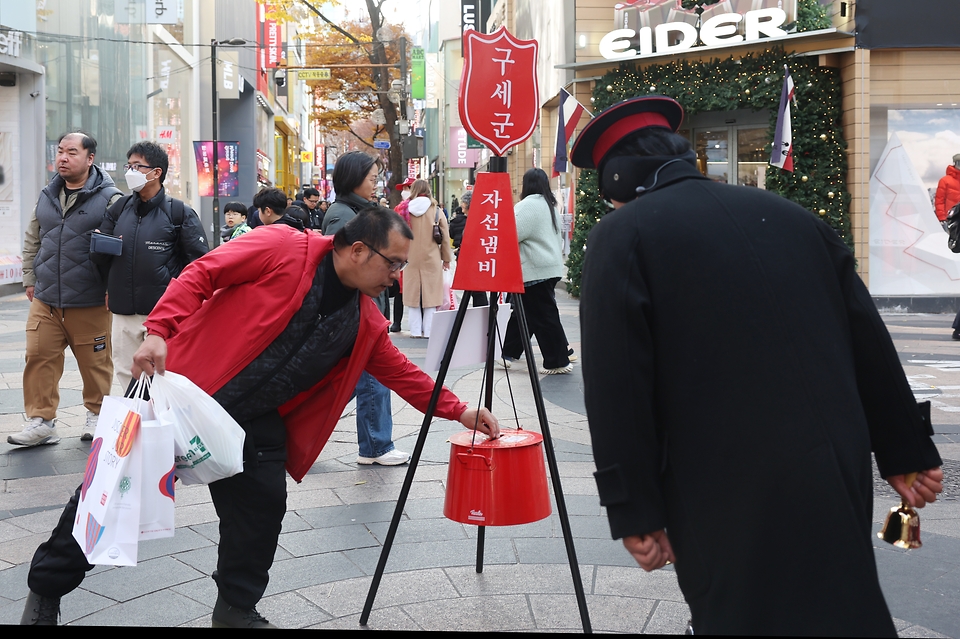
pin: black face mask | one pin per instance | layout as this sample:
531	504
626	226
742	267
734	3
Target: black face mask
625	177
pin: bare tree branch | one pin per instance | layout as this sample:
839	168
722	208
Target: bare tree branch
335	26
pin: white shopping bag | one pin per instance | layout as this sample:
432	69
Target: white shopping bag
107	525
208	443
157	495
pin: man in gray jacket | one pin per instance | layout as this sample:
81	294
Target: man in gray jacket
66	290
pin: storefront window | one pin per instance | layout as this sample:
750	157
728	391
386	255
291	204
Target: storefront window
713	158
109	73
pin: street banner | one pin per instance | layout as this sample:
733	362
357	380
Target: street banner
568	116
782	153
418	80
228	168
499	95
489	257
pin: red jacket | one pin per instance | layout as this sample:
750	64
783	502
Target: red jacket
948	192
254	284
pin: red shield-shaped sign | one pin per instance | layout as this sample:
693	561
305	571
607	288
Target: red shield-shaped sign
499	97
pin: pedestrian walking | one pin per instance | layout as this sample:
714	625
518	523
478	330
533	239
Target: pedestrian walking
541	259
160	236
430	255
66	290
396	291
309	201
317	329
235	214
355	180
797	382
457	225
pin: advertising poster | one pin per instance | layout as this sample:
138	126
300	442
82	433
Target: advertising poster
228	168
11	236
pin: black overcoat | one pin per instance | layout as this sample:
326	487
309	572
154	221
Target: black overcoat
737	376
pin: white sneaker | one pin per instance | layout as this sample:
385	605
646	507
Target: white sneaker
91	427
393	458
557	371
35	432
508	362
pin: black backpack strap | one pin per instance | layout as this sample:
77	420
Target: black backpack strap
117	208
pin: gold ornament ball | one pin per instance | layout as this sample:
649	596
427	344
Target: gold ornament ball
831	194
822	211
746	91
823	136
804	178
610	88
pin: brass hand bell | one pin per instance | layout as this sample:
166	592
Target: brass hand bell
902	527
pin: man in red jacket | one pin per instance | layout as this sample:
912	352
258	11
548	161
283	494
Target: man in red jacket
948	190
313	328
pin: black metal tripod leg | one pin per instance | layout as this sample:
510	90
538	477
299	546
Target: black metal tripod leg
488	391
554	470
414	460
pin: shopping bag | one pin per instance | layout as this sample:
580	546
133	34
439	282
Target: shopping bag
107	525
157	495
207	442
449	301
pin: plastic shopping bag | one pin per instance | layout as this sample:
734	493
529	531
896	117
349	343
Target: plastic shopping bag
157	494
449	300
107	525
207	442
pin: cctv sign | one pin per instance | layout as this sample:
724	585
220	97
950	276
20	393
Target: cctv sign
672	37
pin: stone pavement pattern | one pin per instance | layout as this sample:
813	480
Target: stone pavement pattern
337	519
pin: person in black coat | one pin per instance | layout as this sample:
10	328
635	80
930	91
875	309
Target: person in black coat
457	225
737	377
161	235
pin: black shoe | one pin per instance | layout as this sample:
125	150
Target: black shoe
227	616
956	335
40	611
86	437
395	328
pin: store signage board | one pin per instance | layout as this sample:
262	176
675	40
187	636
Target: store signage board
499	96
719	30
381	144
314	74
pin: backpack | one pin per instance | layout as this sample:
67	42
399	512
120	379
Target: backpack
952	224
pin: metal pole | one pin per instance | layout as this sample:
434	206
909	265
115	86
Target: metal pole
552	465
414	460
216	155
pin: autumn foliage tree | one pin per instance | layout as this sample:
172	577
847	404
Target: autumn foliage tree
363	56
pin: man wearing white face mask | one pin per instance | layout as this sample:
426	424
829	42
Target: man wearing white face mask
160	236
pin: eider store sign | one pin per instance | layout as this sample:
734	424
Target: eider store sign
672	37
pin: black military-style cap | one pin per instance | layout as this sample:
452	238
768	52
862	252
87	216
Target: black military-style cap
613	123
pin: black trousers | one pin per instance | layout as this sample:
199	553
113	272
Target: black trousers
250	505
543	322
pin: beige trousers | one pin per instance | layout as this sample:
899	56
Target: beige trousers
128	335
49	331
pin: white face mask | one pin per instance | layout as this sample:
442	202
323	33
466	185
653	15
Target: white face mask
405	194
135	180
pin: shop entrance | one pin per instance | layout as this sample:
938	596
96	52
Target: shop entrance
731	147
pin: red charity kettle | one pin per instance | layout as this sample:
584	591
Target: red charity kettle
499	482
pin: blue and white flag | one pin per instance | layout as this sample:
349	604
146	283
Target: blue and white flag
782	154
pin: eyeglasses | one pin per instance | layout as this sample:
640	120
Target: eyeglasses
137	167
394	266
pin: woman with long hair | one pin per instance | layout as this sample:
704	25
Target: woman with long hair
423	277
541	258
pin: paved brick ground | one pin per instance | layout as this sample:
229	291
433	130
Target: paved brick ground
338	516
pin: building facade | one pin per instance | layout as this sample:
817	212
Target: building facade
131	70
